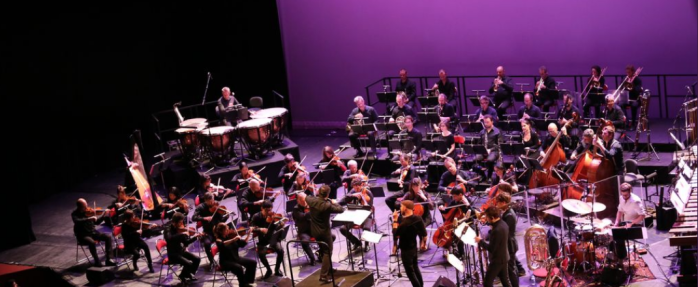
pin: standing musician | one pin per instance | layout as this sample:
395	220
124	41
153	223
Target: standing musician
544	88
334	162
229	244
595	97
634	88
204	213
501	90
367	115
123	203
529	111
408	87
516	269
131	232
446	87
565	140
485	110
224	102
219	192
288	173
266	223
451	177
321	208
490	138
177	237
611	149
242	178
448	150
404	174
301	218
359	195
410	227
417	195
84	220
497	248
303	184
529	137
252	198
614	113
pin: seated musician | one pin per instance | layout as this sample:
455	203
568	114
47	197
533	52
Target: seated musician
633	94
529	111
122	203
267	226
303	184
595	96
459	201
170	205
529	137
352	171
218	191
545	88
583	145
86	234
615	114
288	173
566	114
131	232
451	177
446	87
253	197
631	213
485	110
490	138
225	102
367	115
611	149
408	87
449	149
204	213
564	141
332	161
301	218
501	91
501	174
401	109
230	259
446	112
405	173
418	195
178	239
360	194
242	179
409	132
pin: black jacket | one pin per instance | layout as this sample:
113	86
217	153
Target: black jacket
301	219
320	211
499	242
177	242
83	225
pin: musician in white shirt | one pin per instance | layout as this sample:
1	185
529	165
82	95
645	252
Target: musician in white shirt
631	210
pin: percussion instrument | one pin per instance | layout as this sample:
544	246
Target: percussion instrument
580	252
580	207
188	140
255	135
197	123
220	142
278	118
584	232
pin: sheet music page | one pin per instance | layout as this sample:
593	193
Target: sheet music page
469	237
371	237
455	262
356	216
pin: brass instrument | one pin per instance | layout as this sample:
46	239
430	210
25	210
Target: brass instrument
594	82
400	122
539	85
358	120
179	115
536	244
550	279
496	83
627	84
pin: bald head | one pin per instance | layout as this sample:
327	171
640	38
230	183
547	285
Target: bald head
500	71
301	198
81	204
552	129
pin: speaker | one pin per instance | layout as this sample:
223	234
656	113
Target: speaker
100	275
444	282
284	282
613	276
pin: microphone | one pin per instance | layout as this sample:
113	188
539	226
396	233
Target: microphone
209	75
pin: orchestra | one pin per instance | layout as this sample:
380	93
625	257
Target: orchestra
460	164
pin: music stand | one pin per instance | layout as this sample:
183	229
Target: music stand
531	163
512	148
351	216
387	98
373	238
627	234
471	126
428	101
475	101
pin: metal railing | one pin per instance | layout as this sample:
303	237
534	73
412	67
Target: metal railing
663	88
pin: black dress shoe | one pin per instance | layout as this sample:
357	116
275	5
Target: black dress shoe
267	275
325	280
278	273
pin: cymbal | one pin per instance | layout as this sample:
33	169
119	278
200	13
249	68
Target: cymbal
576	206
538	191
597	207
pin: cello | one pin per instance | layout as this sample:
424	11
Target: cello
554	155
443	236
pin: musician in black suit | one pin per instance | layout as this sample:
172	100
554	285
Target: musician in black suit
368	115
446	87
451	176
498	248
611	149
321	208
406	169
229	258
360	194
545	90
177	253
485	109
410	228
133	243
86	234
490	138
595	96
564	140
269	233
615	114
204	214
287	174
400	111
516	269
407	86
301	218
634	88
501	91
446	111
529	110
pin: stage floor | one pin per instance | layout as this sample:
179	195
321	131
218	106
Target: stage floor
55	244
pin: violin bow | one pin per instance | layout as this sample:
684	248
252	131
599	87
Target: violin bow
141	221
298	167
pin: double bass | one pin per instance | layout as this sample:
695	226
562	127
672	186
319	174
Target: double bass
554	155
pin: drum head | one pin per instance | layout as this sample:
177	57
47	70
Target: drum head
194	123
219	139
185	130
269	113
255	132
217	130
254	123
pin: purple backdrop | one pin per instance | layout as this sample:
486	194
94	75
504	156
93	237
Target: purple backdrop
333	49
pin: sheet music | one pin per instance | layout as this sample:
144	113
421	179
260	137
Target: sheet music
371	237
455	262
356	216
469	237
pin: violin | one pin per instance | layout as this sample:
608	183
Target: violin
276	217
217	208
251	175
191	231
97	211
403	174
141	224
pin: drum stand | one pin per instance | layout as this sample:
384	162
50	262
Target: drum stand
650	148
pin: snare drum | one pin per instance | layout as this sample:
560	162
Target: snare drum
584	232
278	118
188	140
255	134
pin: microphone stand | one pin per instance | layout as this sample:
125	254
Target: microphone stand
206	90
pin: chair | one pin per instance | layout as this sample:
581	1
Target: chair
159	246
631	172
116	234
217	267
87	257
256	104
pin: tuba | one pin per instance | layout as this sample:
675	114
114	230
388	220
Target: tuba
536	244
552	280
